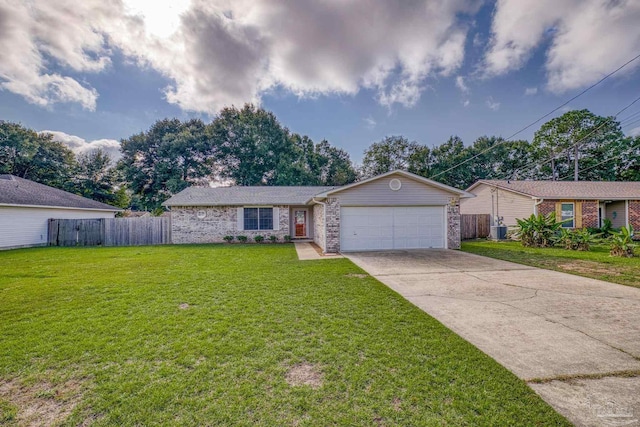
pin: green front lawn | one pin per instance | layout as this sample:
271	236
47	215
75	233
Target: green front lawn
233	335
597	263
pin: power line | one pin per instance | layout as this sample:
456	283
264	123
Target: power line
529	166
605	161
538	120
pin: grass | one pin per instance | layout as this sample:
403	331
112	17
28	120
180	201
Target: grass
596	263
206	335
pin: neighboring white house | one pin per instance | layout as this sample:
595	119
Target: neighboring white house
396	210
26	207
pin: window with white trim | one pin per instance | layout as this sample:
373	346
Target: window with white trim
567	215
258	218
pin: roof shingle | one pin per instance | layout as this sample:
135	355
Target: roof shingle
239	196
19	191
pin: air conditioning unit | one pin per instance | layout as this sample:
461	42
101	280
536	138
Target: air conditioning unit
498	232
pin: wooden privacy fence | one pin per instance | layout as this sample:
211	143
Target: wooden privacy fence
474	226
110	231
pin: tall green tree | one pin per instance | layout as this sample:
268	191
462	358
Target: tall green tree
167	158
578	136
395	152
444	160
254	149
30	155
96	179
494	158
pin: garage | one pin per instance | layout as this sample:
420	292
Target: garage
398	227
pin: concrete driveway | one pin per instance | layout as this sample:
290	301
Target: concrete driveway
576	341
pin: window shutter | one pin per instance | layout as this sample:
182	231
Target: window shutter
240	225
276	219
578	214
559	211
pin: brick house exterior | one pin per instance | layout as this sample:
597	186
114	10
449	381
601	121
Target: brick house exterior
397	210
591	202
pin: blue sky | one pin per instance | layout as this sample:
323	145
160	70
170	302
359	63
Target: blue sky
349	72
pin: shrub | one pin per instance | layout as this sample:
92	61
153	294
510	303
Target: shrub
538	231
228	239
258	238
287	238
241	239
622	242
577	240
273	238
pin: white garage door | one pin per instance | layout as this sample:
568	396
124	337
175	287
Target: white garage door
376	228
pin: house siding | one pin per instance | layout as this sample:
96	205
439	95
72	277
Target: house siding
507	204
220	221
319	226
378	193
620	209
22	226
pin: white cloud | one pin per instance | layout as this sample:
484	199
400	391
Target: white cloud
218	53
634	131
80	145
460	84
370	123
492	104
587	38
466	103
530	91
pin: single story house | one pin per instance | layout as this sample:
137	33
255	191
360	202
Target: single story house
395	210
26	207
580	203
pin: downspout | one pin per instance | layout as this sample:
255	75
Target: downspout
324	218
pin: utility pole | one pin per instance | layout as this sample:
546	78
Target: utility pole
575	164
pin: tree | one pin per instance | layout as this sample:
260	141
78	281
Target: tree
394	152
167	158
254	148
498	159
447	156
334	167
580	138
30	155
96	179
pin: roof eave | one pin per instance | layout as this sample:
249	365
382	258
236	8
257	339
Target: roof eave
14	205
463	194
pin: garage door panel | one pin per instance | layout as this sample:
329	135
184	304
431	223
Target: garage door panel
378	228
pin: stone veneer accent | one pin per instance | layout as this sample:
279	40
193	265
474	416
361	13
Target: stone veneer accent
634	217
453	223
332	225
318	225
220	221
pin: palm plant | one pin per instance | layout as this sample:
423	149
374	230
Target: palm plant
538	231
622	242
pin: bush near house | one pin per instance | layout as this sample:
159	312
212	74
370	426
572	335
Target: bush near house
622	242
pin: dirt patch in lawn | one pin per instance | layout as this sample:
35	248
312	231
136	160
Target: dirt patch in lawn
587	267
357	275
304	374
183	306
41	403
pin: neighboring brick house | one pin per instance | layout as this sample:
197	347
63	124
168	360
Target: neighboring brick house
396	210
580	203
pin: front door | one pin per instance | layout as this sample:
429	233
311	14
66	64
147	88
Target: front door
300	220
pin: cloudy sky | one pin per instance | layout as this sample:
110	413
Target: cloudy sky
351	71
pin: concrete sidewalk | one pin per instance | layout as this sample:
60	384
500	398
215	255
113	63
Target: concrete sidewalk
306	251
576	341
